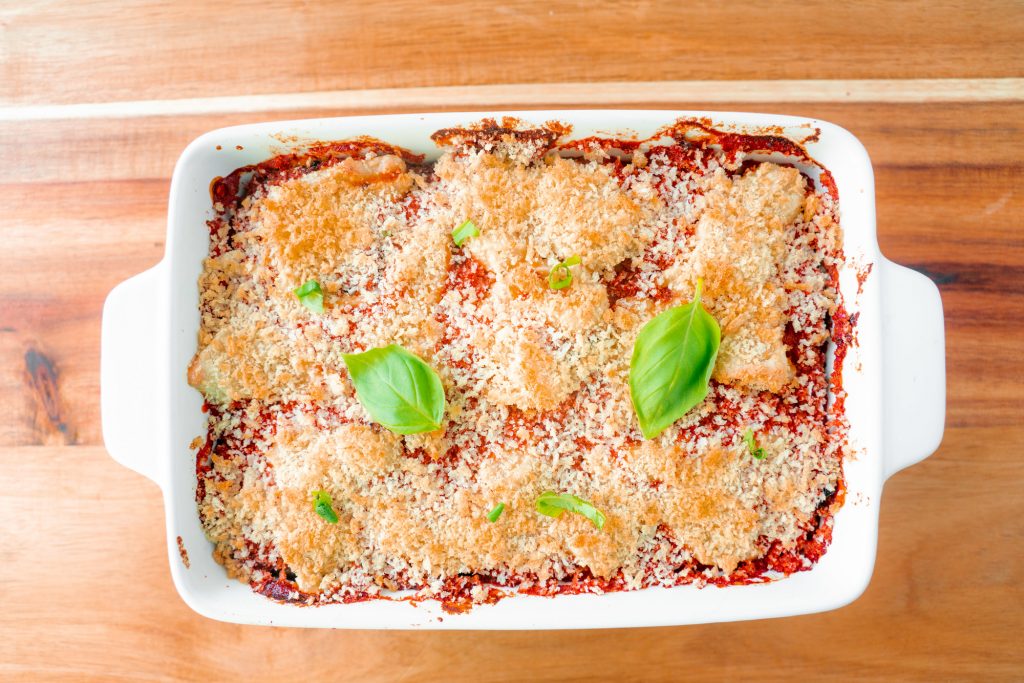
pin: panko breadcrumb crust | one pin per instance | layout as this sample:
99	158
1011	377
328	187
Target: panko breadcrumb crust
536	380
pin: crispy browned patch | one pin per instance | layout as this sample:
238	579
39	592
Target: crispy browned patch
509	130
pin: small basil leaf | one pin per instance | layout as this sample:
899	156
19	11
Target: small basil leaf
493	515
560	276
752	447
397	389
553	504
311	296
464	232
322	506
672	361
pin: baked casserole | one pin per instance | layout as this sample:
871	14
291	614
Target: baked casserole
532	365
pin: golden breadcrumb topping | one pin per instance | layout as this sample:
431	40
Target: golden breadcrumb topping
536	379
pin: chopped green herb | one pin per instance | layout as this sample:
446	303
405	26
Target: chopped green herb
560	276
464	232
673	357
322	506
397	389
554	504
311	296
493	515
755	450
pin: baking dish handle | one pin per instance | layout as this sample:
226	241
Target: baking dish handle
131	384
913	367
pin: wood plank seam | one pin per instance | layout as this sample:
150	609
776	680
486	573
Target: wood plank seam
924	90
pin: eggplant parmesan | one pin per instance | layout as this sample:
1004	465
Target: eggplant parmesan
518	268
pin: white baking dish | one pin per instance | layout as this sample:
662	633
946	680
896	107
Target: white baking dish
895	378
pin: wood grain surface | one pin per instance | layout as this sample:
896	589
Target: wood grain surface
90	50
87	593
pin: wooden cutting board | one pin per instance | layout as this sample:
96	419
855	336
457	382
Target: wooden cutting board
98	98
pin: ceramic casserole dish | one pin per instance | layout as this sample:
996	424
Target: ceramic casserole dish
894	377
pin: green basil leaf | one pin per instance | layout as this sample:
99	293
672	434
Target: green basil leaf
554	504
323	507
673	357
752	447
398	389
493	515
464	232
311	296
560	276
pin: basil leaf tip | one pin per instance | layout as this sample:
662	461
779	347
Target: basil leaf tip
752	447
322	506
399	391
493	515
464	232
560	276
311	296
553	504
673	357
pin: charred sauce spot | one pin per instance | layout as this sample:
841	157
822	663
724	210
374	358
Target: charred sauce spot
281	590
733	143
606	144
491	132
183	554
702	132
